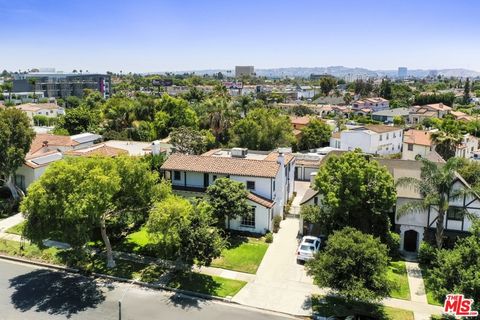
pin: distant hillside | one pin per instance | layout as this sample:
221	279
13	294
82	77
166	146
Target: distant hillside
340	71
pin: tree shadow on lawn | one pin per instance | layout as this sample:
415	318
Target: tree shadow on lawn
195	282
57	293
237	238
328	306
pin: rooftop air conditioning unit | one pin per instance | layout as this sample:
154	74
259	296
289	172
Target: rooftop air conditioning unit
239	152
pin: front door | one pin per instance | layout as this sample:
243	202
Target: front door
410	241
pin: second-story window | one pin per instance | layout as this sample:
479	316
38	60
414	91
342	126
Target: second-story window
251	185
176	175
381	137
410	147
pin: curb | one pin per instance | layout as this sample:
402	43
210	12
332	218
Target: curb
38	263
187	293
119	279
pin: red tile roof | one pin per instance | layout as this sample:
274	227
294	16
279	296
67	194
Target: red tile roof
260	200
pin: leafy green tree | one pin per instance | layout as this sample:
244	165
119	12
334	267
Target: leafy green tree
161	124
327	84
190	141
363	88
347	97
167	217
301	110
398	120
180	112
386	89
78	120
228	199
100	192
355	191
200	240
262	129
72	102
120	113
16	136
456	271
446	98
315	134
354	265
436	187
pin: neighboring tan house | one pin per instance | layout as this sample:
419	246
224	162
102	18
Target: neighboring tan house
267	176
50	110
373	139
420	113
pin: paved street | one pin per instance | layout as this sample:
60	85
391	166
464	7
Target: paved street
28	292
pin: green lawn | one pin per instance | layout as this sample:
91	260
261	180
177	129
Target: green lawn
243	254
428	288
397	274
334	306
16	229
212	285
30	251
139	242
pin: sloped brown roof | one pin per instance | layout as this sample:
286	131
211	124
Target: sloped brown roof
52	140
273	156
260	200
97	150
300	120
419	137
222	165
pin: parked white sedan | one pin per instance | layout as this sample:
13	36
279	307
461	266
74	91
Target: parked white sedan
307	248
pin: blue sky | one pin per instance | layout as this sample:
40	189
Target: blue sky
167	35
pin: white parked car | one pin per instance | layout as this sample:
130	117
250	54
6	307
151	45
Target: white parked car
308	247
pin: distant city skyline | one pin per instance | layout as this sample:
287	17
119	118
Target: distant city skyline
169	35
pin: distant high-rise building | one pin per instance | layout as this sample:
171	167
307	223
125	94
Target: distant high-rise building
244	71
402	72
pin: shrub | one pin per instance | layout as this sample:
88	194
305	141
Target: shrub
276	223
269	237
427	254
393	244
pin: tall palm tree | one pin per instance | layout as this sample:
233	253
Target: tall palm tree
33	83
8	86
446	142
436	187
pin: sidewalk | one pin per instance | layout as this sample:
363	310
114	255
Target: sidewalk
10	222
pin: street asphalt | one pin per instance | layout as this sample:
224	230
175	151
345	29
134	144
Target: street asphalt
28	292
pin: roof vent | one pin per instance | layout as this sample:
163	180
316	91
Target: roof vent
239	152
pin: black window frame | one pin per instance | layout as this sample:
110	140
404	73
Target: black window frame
249	184
455	213
175	177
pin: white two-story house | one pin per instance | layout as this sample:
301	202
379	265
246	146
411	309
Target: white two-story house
373	139
269	178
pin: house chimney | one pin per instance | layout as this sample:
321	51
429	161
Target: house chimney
156	147
45	144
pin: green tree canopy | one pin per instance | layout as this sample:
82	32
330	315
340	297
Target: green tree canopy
228	199
262	129
457	270
315	134
16	136
354	265
76	196
78	120
355	191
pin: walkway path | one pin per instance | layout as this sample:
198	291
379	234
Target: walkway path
10	222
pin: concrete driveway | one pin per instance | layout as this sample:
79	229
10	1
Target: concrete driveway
281	284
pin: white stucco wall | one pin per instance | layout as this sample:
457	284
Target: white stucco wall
262	220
